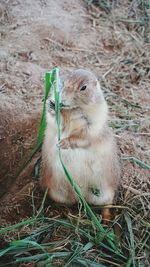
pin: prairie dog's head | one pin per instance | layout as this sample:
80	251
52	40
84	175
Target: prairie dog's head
81	88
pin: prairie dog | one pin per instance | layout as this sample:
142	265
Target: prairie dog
87	144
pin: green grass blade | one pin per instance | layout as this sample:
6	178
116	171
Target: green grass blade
129	225
15	226
89	263
36	257
138	162
74	255
50	257
42	204
49	79
88	246
4	251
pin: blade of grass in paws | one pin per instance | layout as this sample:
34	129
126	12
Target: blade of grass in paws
49	79
57	101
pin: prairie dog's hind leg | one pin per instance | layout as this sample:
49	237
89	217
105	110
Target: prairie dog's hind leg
56	193
62	194
106	216
45	180
108	200
105	197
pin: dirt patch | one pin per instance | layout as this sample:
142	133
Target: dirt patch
38	35
32	41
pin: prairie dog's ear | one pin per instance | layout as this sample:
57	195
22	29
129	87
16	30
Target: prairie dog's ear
95	84
98	94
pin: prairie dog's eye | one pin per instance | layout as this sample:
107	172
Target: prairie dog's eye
83	88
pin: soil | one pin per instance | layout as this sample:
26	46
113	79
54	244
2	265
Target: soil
39	35
35	37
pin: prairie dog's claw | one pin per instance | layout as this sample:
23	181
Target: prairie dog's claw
64	143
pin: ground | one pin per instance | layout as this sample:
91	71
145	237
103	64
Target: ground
111	39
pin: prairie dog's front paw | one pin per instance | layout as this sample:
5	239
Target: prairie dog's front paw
64	143
52	112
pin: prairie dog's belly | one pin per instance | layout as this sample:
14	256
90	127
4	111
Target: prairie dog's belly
80	164
85	167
